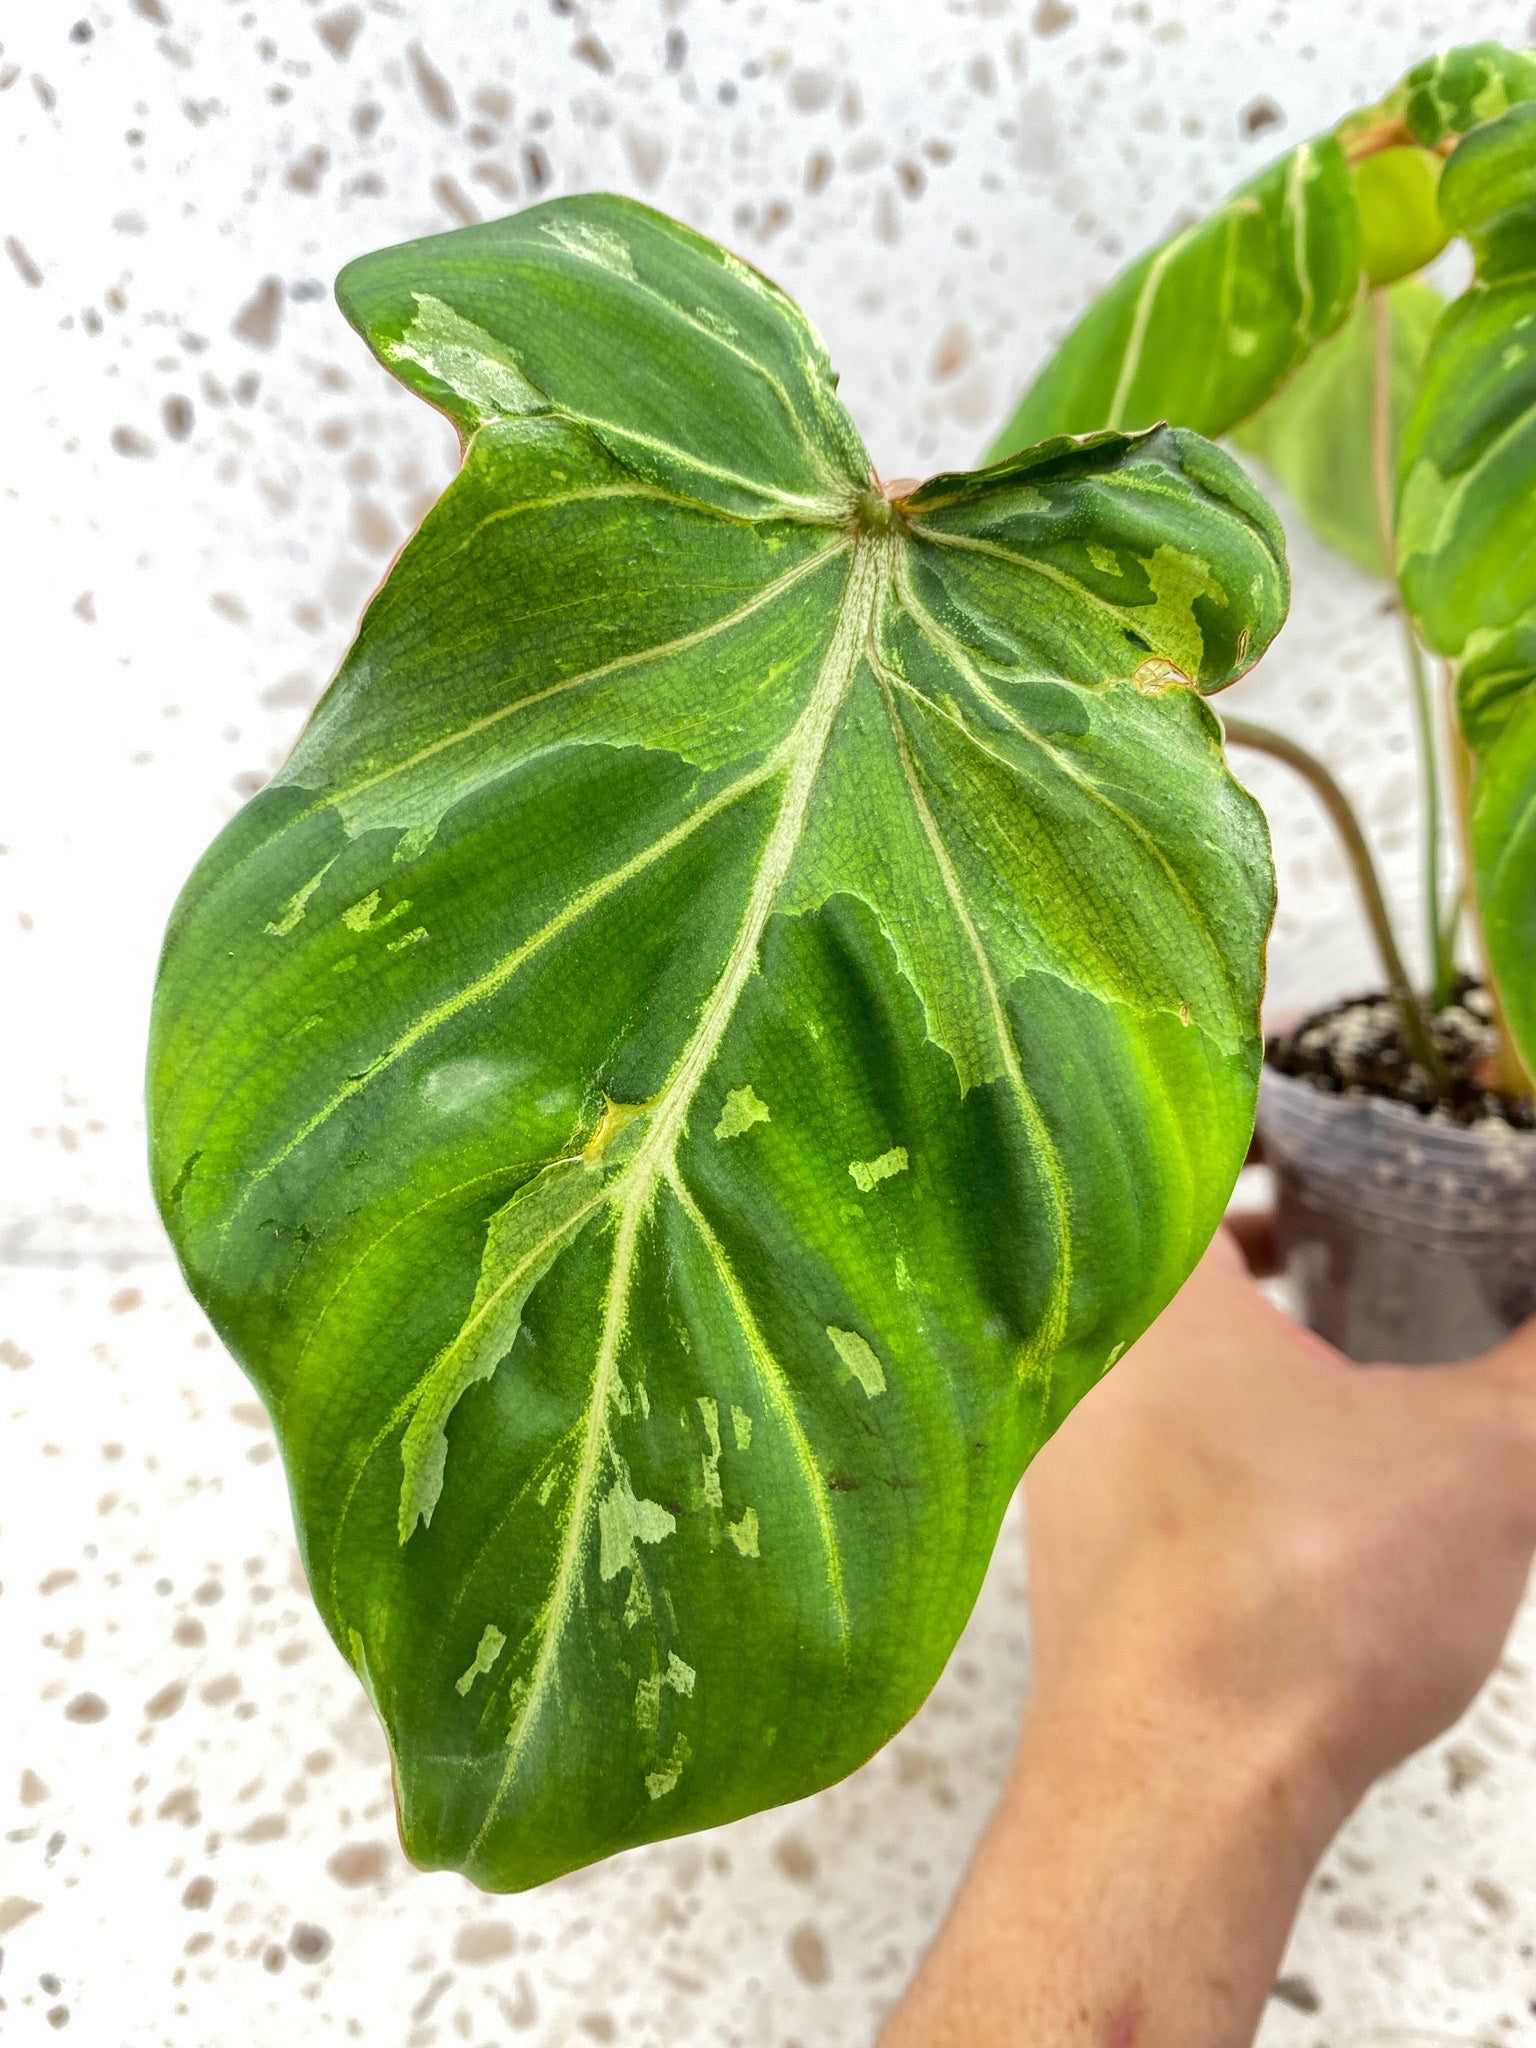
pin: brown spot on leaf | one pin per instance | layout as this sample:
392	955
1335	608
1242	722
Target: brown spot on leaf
1156	675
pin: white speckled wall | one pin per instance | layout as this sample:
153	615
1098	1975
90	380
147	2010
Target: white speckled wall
201	477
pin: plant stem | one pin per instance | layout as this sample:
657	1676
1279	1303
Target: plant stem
1441	955
1440	923
1410	1015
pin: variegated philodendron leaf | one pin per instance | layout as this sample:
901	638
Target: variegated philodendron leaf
1466	529
1206	329
742	1003
1315	435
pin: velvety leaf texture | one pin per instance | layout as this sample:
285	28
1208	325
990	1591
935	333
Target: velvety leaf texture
742	1003
1466	528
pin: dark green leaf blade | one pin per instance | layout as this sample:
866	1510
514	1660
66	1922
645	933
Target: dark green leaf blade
722	1030
1315	434
688	364
1466	528
1204	328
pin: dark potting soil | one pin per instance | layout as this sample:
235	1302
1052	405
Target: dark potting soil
1355	1047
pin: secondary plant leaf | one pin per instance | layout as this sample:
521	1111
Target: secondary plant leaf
741	1004
1400	225
1205	327
1314	436
1227	324
1466	529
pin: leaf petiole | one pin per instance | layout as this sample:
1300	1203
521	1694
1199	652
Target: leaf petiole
1241	733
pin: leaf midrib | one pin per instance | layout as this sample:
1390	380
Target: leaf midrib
634	1187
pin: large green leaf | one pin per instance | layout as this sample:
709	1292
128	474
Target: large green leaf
1204	328
741	1005
1466	529
1315	434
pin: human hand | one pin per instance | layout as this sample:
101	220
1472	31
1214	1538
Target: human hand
1258	1542
1259	1577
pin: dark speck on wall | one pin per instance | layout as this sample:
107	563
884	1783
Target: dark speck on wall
1259	116
1297	1992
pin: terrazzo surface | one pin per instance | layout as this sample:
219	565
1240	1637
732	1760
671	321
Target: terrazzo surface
202	476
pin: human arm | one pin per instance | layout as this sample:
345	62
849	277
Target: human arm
1259	1577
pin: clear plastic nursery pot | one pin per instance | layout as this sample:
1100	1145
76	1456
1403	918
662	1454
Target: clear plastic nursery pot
1407	1237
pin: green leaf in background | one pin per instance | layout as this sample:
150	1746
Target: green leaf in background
1447	95
1207	328
742	1003
1400	225
1466	529
1203	329
1314	436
